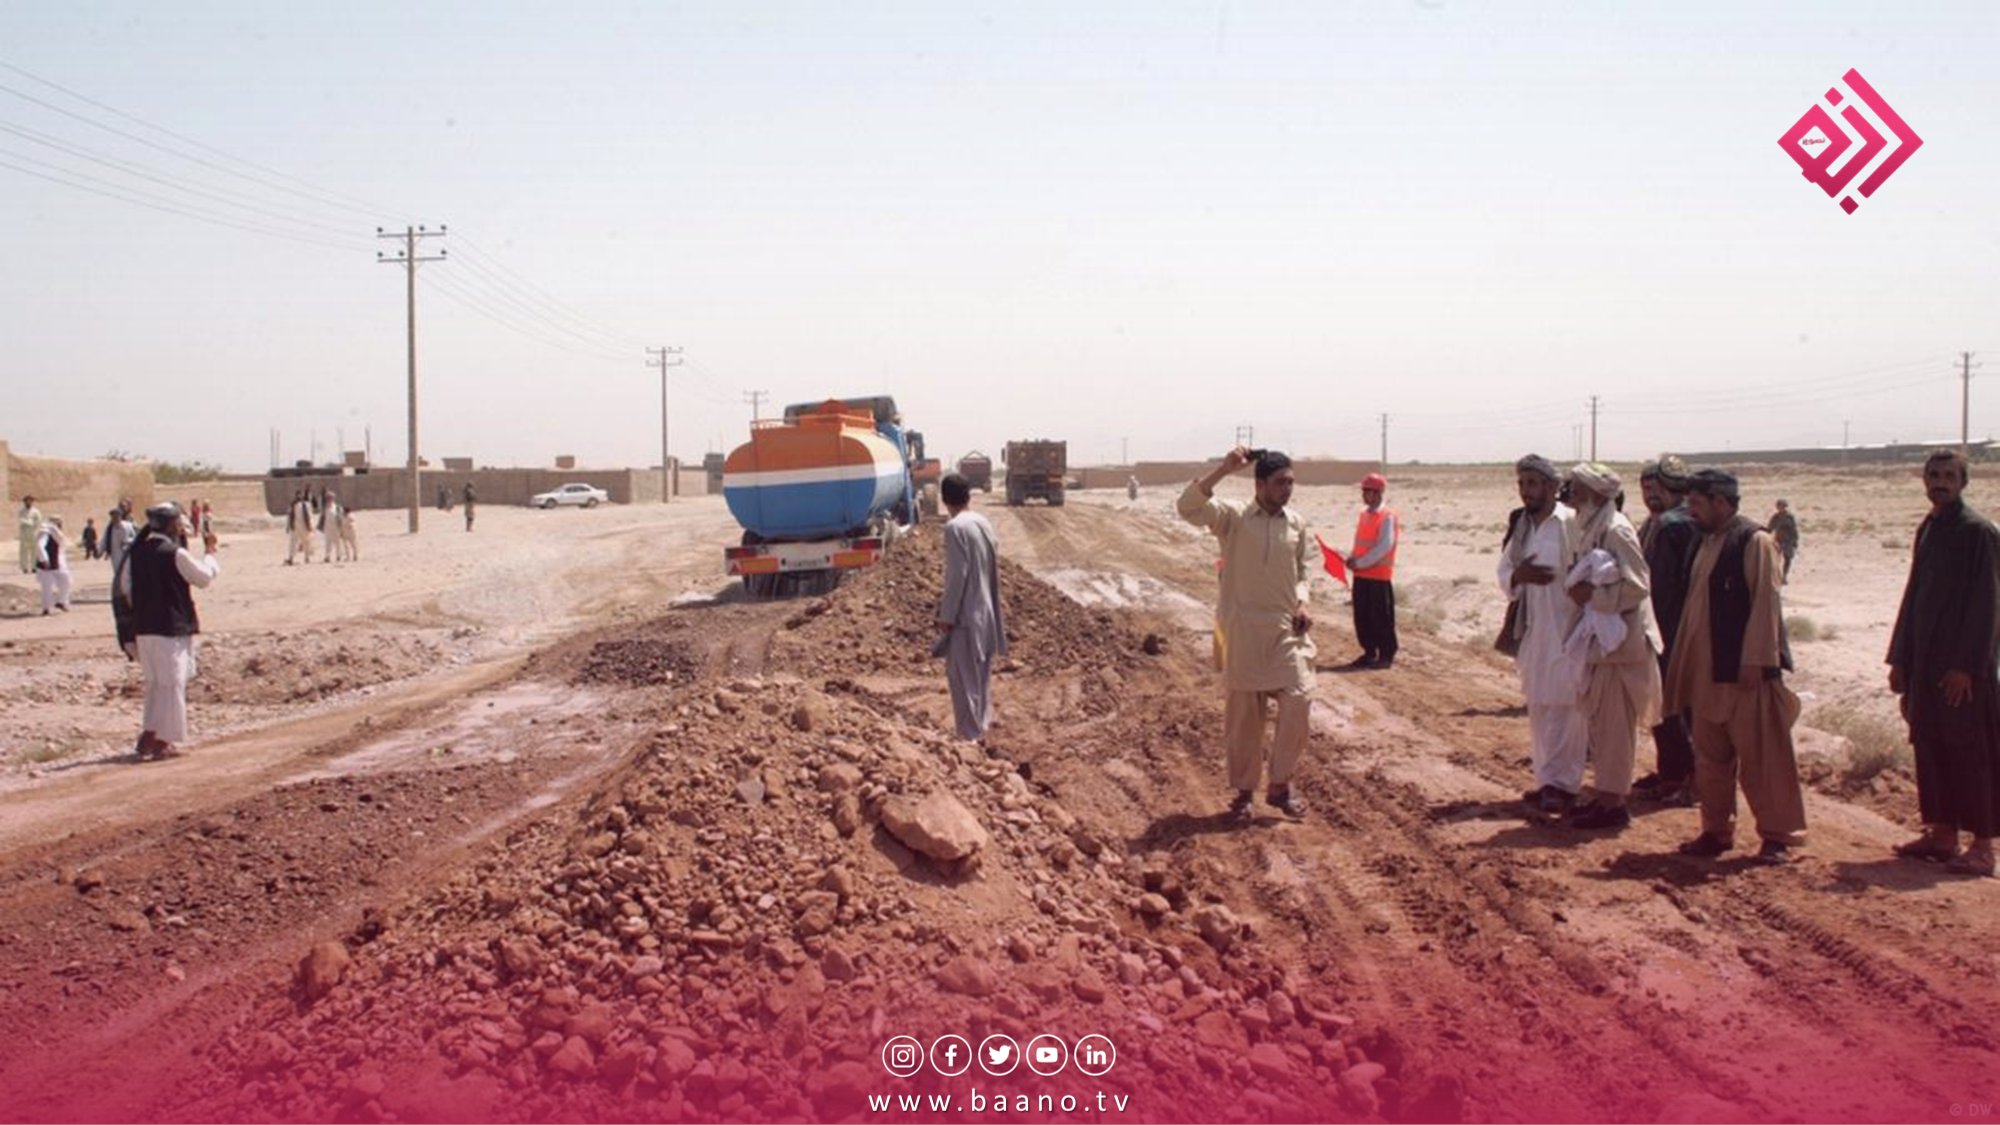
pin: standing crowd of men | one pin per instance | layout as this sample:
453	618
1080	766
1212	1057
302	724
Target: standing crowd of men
323	513
1675	626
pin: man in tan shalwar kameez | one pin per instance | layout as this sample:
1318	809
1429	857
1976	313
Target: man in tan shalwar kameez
1621	687
1728	670
1267	656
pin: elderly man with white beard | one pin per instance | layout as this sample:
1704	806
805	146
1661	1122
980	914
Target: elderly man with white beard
1534	558
1615	638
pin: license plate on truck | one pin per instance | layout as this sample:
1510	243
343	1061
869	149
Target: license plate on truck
783	558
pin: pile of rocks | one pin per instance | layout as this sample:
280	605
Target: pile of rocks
786	875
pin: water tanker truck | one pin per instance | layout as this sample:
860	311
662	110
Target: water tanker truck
819	492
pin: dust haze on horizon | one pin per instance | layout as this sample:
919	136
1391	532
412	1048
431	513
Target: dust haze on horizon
1135	227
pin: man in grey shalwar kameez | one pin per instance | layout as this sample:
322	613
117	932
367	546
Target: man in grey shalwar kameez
971	631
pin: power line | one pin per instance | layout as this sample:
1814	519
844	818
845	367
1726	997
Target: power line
490	294
477	301
332	198
498	287
552	301
756	400
140	171
124	195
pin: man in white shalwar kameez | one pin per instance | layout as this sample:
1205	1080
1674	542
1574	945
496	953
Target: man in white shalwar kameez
971	630
1262	617
30	518
299	527
52	566
1539	550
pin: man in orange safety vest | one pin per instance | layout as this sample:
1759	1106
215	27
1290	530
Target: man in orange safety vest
1373	564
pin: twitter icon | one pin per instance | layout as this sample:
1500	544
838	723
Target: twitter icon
999	1054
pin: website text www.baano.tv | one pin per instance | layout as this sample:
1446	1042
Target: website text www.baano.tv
976	1102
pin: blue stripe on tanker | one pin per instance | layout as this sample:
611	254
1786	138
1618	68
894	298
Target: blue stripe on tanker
808	510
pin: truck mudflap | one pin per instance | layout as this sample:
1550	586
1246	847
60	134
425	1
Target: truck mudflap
791	558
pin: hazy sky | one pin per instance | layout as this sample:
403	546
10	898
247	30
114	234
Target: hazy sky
1100	222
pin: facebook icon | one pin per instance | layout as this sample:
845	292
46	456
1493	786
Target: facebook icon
951	1055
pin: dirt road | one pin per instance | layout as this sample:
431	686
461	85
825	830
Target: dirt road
1414	950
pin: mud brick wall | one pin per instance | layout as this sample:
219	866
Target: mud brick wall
74	490
388	488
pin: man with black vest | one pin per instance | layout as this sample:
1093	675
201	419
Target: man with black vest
162	571
1669	538
1727	671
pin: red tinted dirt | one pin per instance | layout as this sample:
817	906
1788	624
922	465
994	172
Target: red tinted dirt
660	870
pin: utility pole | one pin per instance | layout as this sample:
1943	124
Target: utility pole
1965	404
1124	451
1846	428
668	357
1385	444
408	259
1593	427
1576	439
756	400
1246	435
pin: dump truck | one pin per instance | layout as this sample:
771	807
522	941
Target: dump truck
977	469
1035	471
819	492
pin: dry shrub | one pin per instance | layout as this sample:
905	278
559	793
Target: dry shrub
1874	744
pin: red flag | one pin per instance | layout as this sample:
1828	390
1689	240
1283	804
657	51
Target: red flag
1335	565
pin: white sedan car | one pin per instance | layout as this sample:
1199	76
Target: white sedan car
583	494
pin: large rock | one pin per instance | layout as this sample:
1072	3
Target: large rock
1270	1061
936	826
968	976
574	1059
593	1024
1219	1031
676	1060
322	969
1219	927
839	777
817	911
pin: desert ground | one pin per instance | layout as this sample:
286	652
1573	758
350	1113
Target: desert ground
548	822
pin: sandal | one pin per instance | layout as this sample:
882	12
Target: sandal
1239	809
1705	846
1925	847
1287	802
1971	863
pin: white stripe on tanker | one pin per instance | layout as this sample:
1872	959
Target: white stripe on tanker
879	470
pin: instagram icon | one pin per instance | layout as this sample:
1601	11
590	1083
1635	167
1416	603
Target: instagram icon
902	1056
